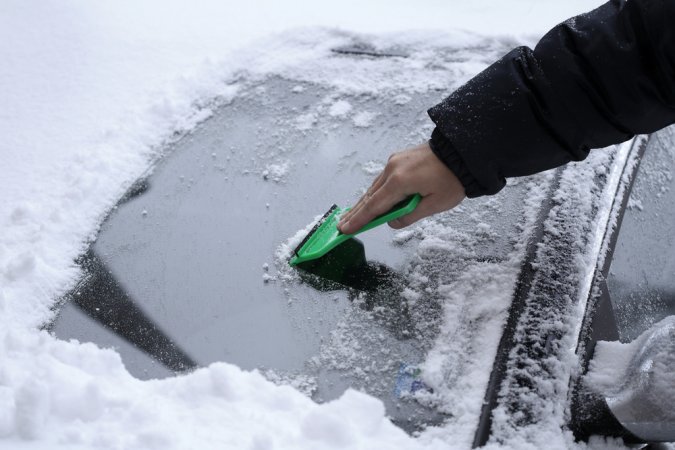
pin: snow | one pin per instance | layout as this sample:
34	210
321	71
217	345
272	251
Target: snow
638	373
306	121
339	108
539	365
277	171
364	119
609	363
91	92
372	167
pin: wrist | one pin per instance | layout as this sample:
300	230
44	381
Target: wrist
446	152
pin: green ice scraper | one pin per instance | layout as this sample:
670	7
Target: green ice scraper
325	235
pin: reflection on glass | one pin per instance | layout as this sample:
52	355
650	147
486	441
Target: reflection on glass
101	297
641	279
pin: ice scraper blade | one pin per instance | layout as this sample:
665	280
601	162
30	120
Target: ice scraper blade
325	236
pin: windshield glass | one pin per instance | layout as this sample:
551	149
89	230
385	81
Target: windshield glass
192	267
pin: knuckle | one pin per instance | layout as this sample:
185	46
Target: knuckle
394	160
397	177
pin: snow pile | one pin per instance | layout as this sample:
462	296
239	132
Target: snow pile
99	405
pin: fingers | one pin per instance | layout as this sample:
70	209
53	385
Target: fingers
414	170
370	207
377	183
426	207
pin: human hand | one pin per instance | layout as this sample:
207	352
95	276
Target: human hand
412	171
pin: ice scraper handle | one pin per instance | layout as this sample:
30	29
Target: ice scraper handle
399	210
325	235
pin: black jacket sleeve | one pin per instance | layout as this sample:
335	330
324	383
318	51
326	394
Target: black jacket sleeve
592	81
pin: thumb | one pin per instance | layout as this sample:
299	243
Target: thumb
425	208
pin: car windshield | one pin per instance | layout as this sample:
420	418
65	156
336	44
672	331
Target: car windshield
191	268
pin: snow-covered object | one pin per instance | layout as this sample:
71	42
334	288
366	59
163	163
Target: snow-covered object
533	399
638	381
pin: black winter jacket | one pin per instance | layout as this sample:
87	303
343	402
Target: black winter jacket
592	81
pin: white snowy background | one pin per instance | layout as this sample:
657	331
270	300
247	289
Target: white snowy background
88	92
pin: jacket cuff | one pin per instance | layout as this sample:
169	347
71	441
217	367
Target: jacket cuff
446	152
